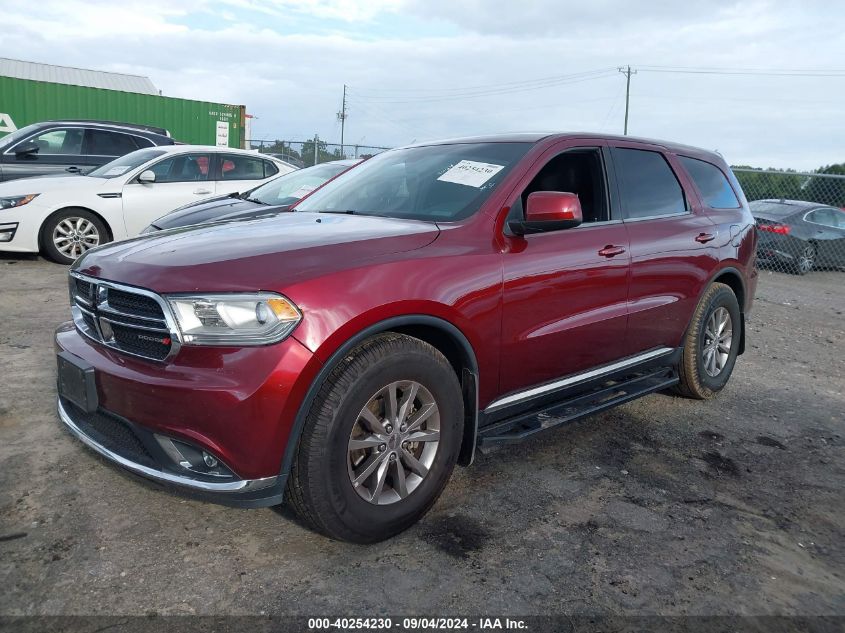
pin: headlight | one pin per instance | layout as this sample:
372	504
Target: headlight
234	319
17	201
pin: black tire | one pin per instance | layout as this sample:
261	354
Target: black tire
320	486
695	379
805	259
72	215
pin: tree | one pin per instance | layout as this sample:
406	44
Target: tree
828	190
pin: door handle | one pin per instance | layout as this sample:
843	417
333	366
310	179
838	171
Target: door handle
201	192
703	238
611	251
73	169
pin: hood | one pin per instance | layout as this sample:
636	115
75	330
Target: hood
224	208
265	254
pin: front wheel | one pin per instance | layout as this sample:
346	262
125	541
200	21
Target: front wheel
70	233
380	441
711	344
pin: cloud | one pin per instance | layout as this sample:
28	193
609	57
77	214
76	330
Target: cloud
287	61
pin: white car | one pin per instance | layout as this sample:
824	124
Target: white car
64	216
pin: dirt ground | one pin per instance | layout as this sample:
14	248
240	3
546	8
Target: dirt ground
662	506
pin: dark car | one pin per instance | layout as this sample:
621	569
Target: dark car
271	198
72	147
798	236
432	300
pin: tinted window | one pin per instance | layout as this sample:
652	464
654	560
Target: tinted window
647	184
270	169
712	184
432	182
235	167
62	141
101	143
182	168
827	217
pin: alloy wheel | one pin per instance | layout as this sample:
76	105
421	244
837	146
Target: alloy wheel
807	259
716	346
73	236
393	443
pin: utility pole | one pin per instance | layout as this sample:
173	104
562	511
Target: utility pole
316	144
341	116
627	72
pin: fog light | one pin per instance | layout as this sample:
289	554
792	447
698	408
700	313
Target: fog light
209	460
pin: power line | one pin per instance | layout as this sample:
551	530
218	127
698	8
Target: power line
486	93
764	72
501	85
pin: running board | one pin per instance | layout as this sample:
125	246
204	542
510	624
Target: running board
605	396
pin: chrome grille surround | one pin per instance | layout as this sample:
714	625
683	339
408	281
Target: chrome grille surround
126	330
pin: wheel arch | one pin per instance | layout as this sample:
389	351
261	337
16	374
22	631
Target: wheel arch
70	207
442	335
732	278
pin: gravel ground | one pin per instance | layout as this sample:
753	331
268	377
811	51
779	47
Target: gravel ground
662	506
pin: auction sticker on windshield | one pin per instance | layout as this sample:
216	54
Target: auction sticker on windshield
471	173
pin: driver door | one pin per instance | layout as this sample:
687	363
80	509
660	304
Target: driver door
565	292
180	179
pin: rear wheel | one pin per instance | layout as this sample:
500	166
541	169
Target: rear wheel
380	441
805	261
711	344
70	233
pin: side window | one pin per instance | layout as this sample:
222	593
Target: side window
827	217
578	171
102	143
711	182
647	184
60	141
270	169
182	168
235	167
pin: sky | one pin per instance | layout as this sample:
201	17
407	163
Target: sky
424	69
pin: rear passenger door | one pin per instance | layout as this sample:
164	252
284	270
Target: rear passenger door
827	232
239	172
103	146
673	245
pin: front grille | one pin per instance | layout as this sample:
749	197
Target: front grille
112	432
134	304
121	318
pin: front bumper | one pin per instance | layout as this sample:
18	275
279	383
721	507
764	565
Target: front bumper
239	492
238	405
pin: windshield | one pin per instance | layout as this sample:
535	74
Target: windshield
771	207
14	137
291	187
120	166
435	182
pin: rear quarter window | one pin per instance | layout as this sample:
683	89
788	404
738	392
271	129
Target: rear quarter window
715	189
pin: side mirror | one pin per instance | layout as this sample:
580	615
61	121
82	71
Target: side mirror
147	177
548	211
26	148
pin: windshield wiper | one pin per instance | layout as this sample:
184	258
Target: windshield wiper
256	200
342	211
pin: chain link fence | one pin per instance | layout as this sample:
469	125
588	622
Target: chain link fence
313	151
800	219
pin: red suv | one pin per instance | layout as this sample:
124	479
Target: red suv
436	299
